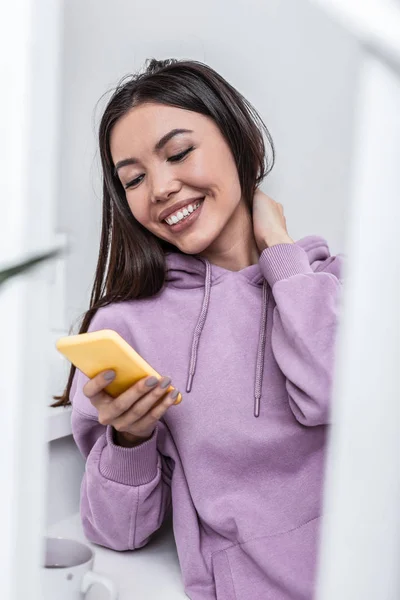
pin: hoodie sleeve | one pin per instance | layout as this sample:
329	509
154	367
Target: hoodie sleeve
305	322
125	492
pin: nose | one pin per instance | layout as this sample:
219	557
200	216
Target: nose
163	186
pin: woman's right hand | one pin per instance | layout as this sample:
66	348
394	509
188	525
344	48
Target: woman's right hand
134	413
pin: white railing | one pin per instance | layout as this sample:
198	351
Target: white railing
375	23
29	73
360	551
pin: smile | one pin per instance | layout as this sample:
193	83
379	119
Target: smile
183	213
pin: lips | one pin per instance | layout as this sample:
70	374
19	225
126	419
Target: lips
175	207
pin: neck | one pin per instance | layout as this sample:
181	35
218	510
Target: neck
235	248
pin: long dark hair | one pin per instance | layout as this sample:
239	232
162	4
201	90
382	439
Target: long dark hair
131	262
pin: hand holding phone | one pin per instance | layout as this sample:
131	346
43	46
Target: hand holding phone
127	400
135	412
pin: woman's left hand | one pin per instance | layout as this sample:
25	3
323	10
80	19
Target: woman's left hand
269	223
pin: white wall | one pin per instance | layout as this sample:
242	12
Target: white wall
296	67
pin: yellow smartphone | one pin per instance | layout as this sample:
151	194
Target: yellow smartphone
102	350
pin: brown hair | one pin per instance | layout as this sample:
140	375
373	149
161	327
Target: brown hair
131	261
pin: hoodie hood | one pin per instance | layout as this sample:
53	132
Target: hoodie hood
192	271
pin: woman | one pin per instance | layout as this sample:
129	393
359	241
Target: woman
198	273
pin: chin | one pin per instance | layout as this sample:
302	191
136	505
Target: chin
196	245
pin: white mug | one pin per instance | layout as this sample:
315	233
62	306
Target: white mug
67	571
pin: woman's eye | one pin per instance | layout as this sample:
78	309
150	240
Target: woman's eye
132	183
175	158
178	157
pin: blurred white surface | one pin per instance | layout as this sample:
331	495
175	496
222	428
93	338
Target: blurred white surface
376	23
29	107
360	554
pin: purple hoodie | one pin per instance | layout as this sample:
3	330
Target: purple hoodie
240	460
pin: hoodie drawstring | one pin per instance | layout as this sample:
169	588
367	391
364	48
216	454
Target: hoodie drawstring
199	326
261	343
261	351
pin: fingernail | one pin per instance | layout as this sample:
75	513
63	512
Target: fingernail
109	375
151	381
174	394
165	381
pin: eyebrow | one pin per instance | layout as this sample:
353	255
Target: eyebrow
160	144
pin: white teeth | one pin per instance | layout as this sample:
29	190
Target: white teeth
182	214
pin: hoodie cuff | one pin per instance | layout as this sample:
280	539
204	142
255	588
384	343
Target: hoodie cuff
129	466
283	261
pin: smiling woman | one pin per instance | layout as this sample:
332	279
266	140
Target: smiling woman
197	272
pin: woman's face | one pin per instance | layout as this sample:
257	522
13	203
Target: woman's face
157	184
